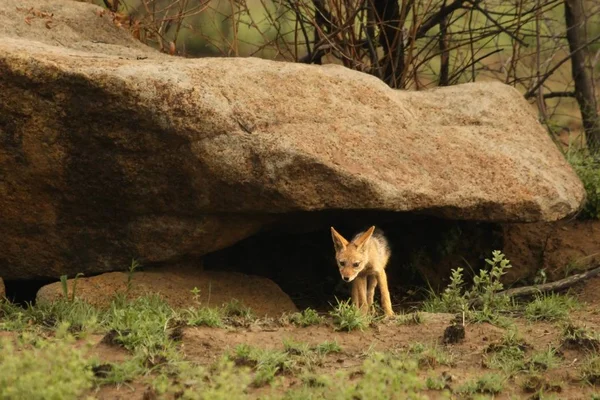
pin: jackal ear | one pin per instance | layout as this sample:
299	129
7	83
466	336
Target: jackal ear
364	238
338	240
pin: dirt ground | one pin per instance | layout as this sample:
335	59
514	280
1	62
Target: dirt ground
205	345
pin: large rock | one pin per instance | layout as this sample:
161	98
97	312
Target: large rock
110	150
216	288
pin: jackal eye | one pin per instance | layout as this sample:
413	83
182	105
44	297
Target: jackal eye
342	263
356	264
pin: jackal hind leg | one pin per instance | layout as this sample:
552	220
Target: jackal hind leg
386	302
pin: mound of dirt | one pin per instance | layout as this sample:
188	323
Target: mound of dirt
262	295
558	248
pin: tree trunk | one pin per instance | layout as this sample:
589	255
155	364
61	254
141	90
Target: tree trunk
444	52
391	40
584	93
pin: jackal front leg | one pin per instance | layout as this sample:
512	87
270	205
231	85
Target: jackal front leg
371	285
386	303
359	292
355	296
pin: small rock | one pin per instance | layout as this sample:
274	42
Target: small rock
175	284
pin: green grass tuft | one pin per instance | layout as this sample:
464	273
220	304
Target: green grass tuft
550	307
486	384
346	317
307	317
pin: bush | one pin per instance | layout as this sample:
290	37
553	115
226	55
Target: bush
588	170
50	369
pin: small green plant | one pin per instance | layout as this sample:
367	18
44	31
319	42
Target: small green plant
65	288
12	317
440	382
452	300
50	369
540	277
237	309
550	307
130	272
488	284
328	347
590	370
312	380
346	317
509	355
118	373
543	360
539	384
385	377
187	380
80	315
482	303
200	315
303	354
580	338
382	376
430	356
266	363
486	384
141	325
296	348
306	318
204	316
415	318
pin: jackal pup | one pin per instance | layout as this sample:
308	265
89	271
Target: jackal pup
362	261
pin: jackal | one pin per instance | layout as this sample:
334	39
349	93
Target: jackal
362	261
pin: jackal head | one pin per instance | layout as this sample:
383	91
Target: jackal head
351	257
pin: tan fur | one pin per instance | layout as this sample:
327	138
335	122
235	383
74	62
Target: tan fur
362	261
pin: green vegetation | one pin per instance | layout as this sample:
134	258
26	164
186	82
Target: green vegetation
141	323
486	384
513	355
237	309
415	318
440	382
42	369
590	370
204	316
307	317
429	356
550	307
578	337
81	316
588	169
266	362
294	358
346	317
53	335
508	355
481	303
